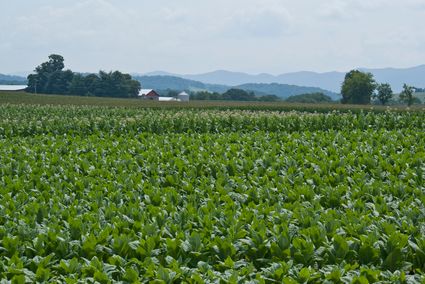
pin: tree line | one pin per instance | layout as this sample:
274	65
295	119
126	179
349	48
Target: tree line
235	94
232	95
360	88
51	78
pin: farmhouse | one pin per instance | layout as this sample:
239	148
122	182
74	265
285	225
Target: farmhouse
148	94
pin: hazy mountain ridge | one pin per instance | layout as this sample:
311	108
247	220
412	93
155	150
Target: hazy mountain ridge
283	91
332	81
414	76
12	79
221	80
164	82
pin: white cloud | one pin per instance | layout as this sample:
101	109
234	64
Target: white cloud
257	22
195	36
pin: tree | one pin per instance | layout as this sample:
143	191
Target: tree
59	82
312	98
239	95
357	87
406	95
385	93
79	85
269	98
33	86
55	63
172	93
50	77
104	84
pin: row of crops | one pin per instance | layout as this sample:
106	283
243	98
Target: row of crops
30	121
93	194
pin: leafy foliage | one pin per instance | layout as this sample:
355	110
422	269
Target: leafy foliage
112	84
99	194
233	95
177	83
312	98
283	90
51	79
406	96
238	95
385	93
357	87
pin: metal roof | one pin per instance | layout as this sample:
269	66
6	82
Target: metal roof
144	92
166	99
12	87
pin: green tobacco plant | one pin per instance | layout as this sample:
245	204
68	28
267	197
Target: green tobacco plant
100	194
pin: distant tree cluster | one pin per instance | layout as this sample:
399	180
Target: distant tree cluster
406	95
385	93
171	93
360	87
312	98
112	84
50	78
232	95
357	88
205	96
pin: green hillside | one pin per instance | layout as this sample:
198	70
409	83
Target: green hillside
176	83
284	91
312	98
12	80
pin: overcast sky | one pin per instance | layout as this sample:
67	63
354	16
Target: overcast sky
194	36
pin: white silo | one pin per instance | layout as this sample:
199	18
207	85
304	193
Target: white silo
183	97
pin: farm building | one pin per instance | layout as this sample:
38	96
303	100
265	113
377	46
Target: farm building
183	97
148	94
12	87
167	99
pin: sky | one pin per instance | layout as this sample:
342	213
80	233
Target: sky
196	36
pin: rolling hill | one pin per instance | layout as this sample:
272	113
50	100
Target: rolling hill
12	80
283	91
162	82
166	82
332	81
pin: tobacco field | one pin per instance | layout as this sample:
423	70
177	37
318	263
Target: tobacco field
131	195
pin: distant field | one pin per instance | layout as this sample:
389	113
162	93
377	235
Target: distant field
7	97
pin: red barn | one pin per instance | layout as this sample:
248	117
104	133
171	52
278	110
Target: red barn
149	94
